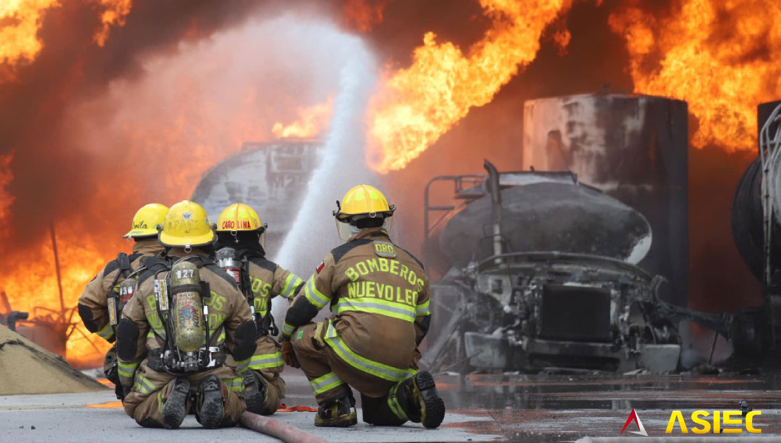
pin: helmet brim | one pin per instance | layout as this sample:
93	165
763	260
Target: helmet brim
241	230
141	233
193	242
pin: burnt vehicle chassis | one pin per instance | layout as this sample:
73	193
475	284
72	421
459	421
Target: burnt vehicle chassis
538	311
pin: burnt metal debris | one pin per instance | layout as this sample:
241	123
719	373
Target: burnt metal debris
581	304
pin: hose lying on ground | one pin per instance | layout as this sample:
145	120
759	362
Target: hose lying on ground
278	429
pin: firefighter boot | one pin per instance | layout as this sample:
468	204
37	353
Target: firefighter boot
339	413
426	406
255	392
212	402
175	402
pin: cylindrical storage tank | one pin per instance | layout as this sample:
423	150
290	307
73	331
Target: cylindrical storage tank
633	148
270	177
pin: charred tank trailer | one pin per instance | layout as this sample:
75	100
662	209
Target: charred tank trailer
756	229
543	274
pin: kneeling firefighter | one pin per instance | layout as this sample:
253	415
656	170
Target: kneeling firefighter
379	294
241	252
191	321
101	303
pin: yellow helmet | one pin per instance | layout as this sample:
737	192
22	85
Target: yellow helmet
146	220
239	217
186	225
361	203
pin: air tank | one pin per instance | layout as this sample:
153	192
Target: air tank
187	312
270	177
633	148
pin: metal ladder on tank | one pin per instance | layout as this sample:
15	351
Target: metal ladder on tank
770	154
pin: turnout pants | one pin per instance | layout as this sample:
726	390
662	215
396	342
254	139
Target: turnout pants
332	376
146	399
267	363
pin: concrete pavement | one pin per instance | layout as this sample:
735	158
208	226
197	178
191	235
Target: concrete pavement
523	408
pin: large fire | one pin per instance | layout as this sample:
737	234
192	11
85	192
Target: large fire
113	15
6	176
176	123
422	102
18	39
311	122
719	56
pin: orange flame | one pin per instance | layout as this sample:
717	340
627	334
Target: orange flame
19	24
20	21
35	285
422	102
311	122
115	13
363	15
717	55
6	176
107	405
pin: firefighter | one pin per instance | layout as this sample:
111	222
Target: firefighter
241	251
379	294
94	302
192	323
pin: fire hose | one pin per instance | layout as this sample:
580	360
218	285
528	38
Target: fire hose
278	429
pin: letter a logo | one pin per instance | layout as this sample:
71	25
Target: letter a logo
633	416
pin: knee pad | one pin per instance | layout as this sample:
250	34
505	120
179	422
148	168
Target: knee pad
127	339
245	341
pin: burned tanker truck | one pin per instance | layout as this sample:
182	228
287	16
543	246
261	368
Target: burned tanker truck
756	229
573	270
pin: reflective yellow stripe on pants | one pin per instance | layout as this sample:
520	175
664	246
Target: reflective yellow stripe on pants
143	385
127	369
325	383
380	370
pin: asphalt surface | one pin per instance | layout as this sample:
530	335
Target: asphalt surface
540	408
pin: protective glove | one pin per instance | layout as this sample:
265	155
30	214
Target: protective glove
119	391
289	356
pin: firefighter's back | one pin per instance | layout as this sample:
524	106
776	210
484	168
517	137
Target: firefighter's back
376	286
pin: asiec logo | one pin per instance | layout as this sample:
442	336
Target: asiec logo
700	418
633	417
